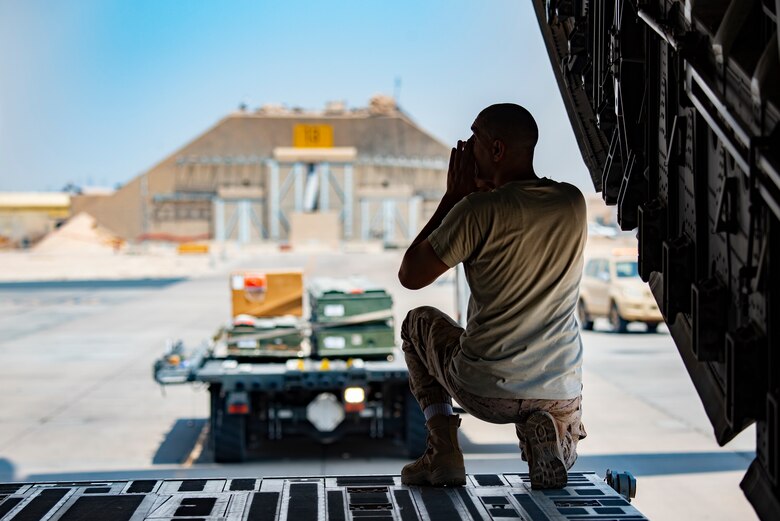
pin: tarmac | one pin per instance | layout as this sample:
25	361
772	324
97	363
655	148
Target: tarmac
79	402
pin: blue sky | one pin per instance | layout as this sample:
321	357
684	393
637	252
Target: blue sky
95	92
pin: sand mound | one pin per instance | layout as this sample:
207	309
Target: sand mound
80	234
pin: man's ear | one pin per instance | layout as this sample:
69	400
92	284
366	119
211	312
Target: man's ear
498	150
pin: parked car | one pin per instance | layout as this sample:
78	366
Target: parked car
611	288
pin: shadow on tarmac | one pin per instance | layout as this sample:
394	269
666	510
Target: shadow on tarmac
183	436
91	284
7	471
639	465
642	464
666	464
179	442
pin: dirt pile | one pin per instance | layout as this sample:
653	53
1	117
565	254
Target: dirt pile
80	234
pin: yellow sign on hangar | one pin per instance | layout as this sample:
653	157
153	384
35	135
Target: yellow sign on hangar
312	136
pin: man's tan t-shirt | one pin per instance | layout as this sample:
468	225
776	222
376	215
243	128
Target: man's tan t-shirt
521	245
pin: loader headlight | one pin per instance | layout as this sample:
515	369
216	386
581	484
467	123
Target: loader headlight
354	395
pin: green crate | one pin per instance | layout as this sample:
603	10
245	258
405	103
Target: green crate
267	337
344	301
364	340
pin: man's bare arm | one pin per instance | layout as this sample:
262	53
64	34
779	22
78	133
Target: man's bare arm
420	265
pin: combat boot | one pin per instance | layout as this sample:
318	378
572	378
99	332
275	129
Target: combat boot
545	456
442	463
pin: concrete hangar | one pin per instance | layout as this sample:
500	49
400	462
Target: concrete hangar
287	175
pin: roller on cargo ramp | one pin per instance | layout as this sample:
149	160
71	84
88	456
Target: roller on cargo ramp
338	498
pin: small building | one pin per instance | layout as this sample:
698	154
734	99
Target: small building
26	217
253	176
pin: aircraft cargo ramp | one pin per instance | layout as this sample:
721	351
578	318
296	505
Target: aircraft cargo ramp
343	498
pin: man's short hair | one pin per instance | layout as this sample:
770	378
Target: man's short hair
510	123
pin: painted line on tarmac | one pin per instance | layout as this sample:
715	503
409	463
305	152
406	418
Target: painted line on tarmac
197	449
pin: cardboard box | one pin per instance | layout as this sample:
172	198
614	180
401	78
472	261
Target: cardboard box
267	293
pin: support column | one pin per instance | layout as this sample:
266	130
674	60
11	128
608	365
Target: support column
365	219
298	174
219	219
348	203
324	171
414	216
388	221
244	220
273	198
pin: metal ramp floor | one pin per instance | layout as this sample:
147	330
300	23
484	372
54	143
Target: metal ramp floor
341	498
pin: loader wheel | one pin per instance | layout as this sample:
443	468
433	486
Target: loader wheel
229	436
415	432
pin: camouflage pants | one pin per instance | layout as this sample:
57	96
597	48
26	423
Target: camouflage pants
431	338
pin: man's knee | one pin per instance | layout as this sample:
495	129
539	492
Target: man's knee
413	317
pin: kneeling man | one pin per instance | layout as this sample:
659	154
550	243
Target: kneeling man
520	238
